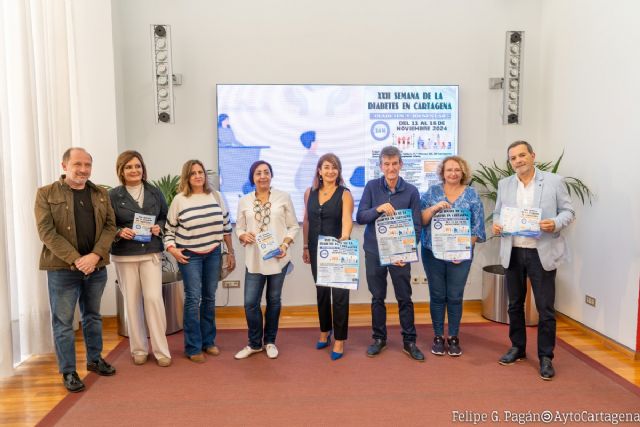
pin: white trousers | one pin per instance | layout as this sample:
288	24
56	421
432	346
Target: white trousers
142	281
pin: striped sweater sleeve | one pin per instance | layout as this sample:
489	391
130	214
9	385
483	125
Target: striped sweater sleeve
226	222
172	222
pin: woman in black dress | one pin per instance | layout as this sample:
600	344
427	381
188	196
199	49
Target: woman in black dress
328	212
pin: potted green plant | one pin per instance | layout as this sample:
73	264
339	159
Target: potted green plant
168	185
488	177
494	298
172	285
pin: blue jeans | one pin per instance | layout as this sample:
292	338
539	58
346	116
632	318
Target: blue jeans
200	278
446	290
66	288
253	287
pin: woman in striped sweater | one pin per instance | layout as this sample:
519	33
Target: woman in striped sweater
197	223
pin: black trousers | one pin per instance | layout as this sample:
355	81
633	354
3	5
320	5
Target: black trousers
526	262
377	282
338	318
333	316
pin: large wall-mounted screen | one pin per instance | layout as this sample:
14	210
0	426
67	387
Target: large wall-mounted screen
291	126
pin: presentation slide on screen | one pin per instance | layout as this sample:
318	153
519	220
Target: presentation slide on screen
291	126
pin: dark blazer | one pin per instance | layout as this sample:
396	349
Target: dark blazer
125	208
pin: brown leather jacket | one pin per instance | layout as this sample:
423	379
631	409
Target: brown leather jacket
57	228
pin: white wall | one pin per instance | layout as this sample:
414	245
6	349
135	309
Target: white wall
589	108
94	125
311	42
579	92
408	41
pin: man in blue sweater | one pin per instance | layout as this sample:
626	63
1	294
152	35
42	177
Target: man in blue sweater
383	196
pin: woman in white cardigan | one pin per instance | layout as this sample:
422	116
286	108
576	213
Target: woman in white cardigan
268	214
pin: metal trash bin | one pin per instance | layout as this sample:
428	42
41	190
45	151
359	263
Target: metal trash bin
173	296
495	300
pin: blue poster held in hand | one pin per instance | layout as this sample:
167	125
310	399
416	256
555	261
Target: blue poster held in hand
267	244
142	227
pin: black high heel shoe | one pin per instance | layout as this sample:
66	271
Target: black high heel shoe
324	344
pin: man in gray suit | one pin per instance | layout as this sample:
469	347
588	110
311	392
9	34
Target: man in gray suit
535	258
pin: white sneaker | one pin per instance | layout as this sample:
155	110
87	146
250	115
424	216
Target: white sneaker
248	351
272	351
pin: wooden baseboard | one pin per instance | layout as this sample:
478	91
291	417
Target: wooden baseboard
360	308
606	341
293	314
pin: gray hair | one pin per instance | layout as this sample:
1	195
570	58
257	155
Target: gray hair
516	143
390	151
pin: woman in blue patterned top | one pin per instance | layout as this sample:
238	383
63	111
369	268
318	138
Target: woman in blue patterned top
448	278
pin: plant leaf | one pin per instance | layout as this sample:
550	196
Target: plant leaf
557	165
488	176
168	185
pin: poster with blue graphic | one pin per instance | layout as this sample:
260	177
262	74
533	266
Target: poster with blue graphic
421	121
292	126
338	263
267	244
451	234
396	237
142	225
523	222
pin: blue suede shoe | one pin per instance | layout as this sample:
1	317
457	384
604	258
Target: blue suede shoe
324	344
336	356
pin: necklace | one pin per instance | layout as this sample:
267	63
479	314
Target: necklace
139	193
262	212
131	190
328	191
262	196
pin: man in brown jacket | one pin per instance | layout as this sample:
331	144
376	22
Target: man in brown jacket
76	223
